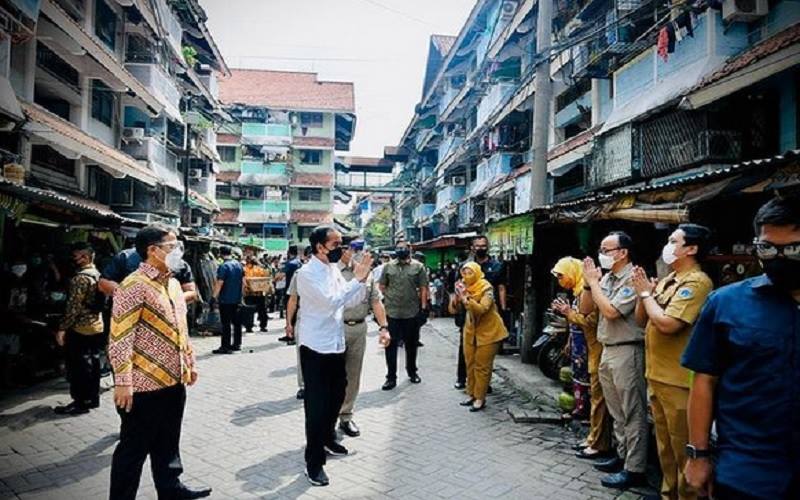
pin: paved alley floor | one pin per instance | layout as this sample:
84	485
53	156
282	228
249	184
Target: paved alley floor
243	436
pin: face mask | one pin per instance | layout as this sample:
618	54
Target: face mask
606	261
335	255
402	253
469	279
783	273
174	259
19	270
57	296
481	253
668	254
36	261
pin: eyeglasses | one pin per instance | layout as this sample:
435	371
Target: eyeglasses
168	247
606	251
766	251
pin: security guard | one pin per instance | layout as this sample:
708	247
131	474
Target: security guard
669	310
355	335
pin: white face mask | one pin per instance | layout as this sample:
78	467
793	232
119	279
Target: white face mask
19	270
174	259
668	254
606	261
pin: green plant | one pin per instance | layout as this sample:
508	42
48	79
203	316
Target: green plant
378	230
189	55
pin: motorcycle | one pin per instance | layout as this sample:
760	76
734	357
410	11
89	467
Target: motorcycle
550	346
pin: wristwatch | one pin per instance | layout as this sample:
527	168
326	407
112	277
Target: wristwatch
383	328
645	294
693	453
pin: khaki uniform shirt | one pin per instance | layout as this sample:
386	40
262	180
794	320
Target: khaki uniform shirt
681	296
618	287
402	281
360	312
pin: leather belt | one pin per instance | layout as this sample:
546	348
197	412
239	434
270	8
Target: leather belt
630	342
353	322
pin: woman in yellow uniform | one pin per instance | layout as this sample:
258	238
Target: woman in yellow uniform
483	331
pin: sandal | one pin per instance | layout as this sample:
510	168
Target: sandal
591	454
474	408
467	402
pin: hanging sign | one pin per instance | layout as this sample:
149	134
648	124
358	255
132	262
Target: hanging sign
511	236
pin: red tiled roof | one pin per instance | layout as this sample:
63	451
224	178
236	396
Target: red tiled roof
286	90
761	50
227	216
313	142
322	180
228	176
227	139
311	217
572	143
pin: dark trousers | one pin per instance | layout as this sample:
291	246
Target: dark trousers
325	379
260	304
229	316
461	372
406	330
83	360
153	427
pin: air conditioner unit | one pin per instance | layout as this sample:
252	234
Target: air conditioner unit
458	180
744	10
133	134
508	9
196	173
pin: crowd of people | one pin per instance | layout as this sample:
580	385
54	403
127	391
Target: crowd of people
670	347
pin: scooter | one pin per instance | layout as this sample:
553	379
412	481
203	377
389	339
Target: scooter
550	345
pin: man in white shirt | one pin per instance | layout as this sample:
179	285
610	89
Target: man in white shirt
324	294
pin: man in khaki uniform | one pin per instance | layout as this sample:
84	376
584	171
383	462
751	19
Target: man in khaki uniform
355	338
669	310
621	368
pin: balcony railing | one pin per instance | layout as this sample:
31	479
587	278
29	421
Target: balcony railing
491	170
498	94
210	81
258	173
424	173
267	134
447	98
268	244
424	210
159	83
313	206
205	186
171	25
161	159
448	146
448	195
263	211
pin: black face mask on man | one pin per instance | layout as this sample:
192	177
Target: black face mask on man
335	255
783	273
481	253
402	253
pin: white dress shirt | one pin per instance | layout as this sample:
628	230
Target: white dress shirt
323	294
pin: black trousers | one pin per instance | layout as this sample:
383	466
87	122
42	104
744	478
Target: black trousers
260	303
325	379
406	330
229	316
153	427
461	373
83	362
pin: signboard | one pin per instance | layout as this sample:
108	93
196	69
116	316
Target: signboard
511	236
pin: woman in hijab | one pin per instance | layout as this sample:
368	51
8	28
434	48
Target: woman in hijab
585	356
483	331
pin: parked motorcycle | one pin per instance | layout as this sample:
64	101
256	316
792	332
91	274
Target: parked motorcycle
550	345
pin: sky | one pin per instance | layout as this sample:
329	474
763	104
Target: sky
379	45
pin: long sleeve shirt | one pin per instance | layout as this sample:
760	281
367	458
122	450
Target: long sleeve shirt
325	293
149	345
78	316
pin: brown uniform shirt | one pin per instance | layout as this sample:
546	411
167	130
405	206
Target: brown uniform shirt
681	296
618	287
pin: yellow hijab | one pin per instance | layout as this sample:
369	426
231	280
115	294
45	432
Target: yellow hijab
572	269
479	283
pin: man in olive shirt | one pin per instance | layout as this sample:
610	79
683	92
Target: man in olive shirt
669	310
404	284
622	362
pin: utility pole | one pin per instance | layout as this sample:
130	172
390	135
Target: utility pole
538	191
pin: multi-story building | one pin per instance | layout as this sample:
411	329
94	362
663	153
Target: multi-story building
277	178
107	89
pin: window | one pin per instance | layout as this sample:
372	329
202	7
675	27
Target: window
102	102
227	153
303	232
46	156
311	156
309	194
311	120
99	185
105	24
122	192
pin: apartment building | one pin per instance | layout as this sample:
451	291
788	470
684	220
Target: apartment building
277	177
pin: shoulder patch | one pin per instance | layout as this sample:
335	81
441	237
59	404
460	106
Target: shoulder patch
685	293
626	291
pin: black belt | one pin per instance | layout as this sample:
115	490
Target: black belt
630	342
353	322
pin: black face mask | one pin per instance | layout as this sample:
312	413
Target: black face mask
481	253
335	255
784	273
402	253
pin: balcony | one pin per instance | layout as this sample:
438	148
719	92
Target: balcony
275	245
206	186
447	98
263	211
324	205
449	195
267	134
490	171
497	95
572	112
210	81
161	160
424	174
159	83
448	145
258	173
423	211
171	26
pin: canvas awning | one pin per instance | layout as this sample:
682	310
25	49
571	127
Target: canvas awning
63	135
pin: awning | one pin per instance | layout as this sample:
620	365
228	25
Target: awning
100	53
15	200
564	163
9	105
199	201
64	135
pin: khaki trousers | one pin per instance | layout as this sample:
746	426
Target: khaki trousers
355	340
599	420
622	378
480	360
672	433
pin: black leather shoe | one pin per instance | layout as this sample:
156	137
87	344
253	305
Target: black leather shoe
415	379
285	338
474	408
489	390
73	408
221	351
612	465
236	348
291	342
301	393
420	344
389	385
336	450
593	455
467	402
185	492
317	477
350	428
624	479
460	386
